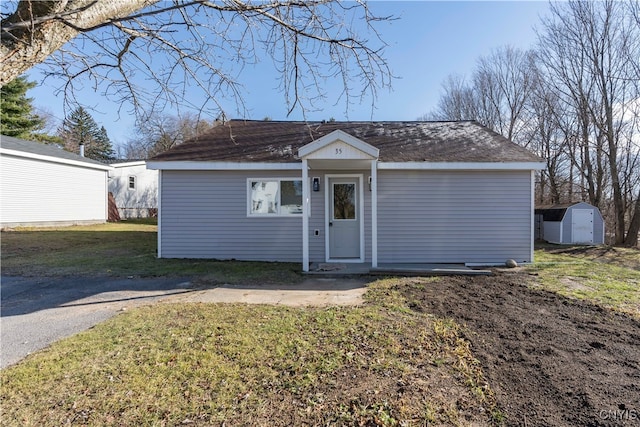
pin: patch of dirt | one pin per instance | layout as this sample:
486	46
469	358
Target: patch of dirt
573	283
550	360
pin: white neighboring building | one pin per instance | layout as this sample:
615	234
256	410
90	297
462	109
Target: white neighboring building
44	185
135	189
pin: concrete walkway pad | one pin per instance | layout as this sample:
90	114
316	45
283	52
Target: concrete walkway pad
318	292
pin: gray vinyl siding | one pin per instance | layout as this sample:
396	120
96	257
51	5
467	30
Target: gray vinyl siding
454	216
317	221
423	216
39	192
204	215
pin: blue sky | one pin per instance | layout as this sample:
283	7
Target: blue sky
430	41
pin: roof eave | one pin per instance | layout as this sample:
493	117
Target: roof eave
426	165
220	166
52	159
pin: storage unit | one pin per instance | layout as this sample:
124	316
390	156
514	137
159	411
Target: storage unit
576	223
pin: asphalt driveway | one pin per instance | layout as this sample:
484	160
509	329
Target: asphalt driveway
37	311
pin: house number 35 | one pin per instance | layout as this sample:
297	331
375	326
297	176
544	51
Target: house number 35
338	150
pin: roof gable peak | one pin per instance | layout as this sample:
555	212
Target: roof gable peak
338	145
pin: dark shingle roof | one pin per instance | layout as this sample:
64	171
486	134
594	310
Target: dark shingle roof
32	147
273	141
554	212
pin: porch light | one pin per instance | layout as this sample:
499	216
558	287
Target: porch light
369	182
316	183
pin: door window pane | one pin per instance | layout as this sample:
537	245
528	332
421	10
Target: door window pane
344	201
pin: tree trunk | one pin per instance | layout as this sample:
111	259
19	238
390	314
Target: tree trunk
634	226
38	28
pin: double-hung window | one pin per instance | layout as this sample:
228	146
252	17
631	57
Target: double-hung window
274	196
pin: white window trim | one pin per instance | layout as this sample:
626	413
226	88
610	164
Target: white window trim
271	215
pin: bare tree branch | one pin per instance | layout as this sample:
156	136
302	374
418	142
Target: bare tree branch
120	46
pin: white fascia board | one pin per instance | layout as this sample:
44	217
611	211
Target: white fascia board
462	165
335	136
52	159
128	164
221	166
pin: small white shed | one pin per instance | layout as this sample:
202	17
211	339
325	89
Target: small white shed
44	185
576	223
135	189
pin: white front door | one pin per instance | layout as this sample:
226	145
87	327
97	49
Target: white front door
344	218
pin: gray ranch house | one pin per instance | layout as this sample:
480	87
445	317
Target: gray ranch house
347	192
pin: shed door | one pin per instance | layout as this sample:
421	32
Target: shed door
344	218
582	226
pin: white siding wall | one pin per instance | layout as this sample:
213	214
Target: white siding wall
36	191
204	215
450	216
134	203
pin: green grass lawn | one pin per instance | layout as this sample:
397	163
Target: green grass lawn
196	364
202	364
127	248
606	276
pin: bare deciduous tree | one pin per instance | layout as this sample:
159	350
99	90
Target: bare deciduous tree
160	132
496	96
148	53
575	101
592	50
457	101
504	83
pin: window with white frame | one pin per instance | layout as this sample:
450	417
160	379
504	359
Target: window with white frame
132	182
274	196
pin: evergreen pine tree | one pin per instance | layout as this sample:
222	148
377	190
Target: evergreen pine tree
17	118
101	149
80	128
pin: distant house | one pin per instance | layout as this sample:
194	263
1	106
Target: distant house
347	192
574	223
43	185
135	189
